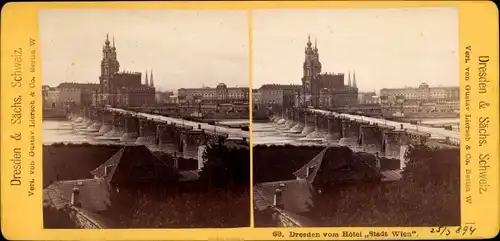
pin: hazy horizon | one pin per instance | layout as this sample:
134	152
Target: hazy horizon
184	48
386	47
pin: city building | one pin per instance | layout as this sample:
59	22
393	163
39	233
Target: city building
218	95
368	98
256	97
123	89
421	100
164	97
324	90
280	95
423	92
50	97
75	94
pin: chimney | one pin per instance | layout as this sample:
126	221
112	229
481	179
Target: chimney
199	126
75	197
107	170
278	202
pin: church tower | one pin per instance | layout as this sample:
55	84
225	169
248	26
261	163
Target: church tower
311	67
349	80
151	82
354	80
109	65
146	82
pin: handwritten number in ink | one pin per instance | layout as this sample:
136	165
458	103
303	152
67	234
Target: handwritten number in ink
465	230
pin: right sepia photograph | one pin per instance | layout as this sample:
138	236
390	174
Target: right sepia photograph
356	117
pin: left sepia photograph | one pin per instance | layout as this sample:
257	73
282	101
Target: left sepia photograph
145	119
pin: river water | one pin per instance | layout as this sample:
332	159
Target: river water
57	131
272	133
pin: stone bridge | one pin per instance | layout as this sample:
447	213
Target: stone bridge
387	138
185	137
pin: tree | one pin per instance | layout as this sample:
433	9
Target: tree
429	193
225	166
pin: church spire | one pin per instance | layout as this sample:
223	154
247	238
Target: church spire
316	44
107	40
349	79
151	83
113	41
354	80
146	82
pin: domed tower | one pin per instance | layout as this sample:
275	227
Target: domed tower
109	66
316	63
308	64
311	67
115	67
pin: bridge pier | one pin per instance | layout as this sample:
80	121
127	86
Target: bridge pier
160	128
290	121
299	120
334	127
147	129
370	139
281	118
73	117
131	129
190	141
107	122
351	135
96	121
309	124
166	137
86	121
393	142
319	130
118	126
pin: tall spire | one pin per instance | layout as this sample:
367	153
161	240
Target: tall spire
147	82
107	40
151	83
315	43
113	40
354	79
349	80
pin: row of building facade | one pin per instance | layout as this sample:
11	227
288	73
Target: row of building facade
221	94
330	91
318	89
126	89
408	99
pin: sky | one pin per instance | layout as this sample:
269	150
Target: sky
185	49
387	48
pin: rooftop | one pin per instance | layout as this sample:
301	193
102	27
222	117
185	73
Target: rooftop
74	85
94	194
